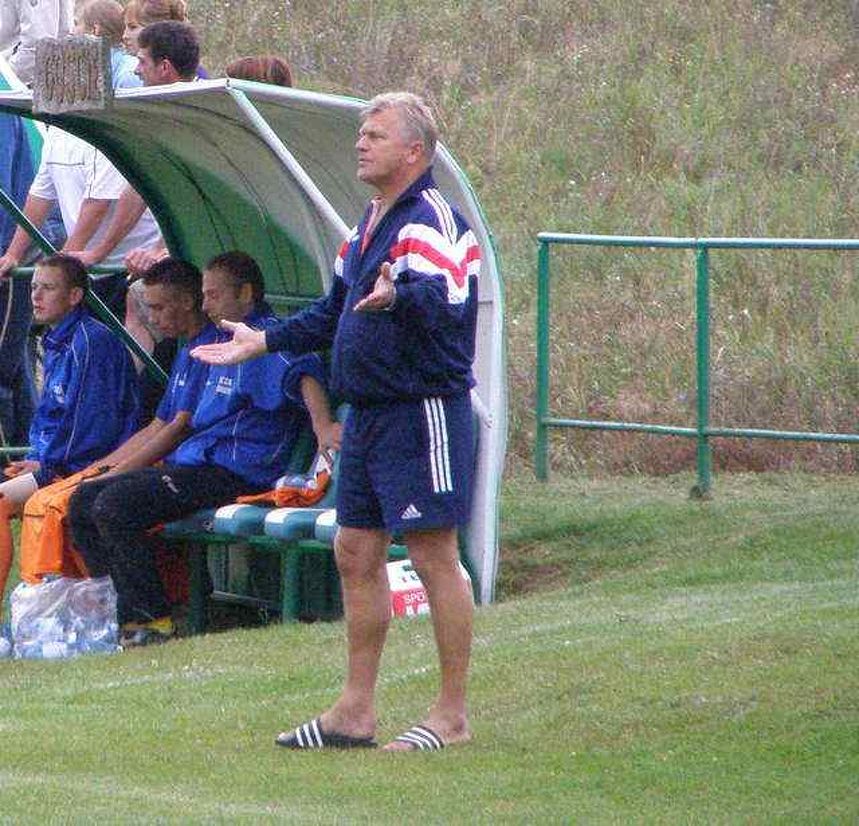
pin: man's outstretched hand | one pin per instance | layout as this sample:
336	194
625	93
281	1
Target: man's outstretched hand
384	293
245	344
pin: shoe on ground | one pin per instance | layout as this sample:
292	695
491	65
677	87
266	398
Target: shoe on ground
139	634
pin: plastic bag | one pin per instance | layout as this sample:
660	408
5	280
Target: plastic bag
62	617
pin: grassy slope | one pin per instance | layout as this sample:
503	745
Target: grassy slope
732	117
694	662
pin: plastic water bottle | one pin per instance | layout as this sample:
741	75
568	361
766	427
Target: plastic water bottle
55	650
29	650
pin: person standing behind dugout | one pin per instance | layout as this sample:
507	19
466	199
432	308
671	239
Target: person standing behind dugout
105	18
23	22
401	317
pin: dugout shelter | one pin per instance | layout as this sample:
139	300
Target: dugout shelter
230	164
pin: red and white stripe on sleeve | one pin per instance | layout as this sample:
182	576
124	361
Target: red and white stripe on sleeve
430	251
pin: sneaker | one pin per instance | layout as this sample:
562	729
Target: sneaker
138	634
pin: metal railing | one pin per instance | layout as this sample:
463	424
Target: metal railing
703	431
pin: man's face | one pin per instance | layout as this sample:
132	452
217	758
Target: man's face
384	155
222	300
169	309
151	72
52	298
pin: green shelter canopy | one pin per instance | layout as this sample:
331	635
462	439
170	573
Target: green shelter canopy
229	164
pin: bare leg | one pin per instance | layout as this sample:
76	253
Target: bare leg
435	556
361	556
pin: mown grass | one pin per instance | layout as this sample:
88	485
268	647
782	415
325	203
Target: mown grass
689	662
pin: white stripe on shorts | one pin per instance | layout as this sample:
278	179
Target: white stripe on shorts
439	453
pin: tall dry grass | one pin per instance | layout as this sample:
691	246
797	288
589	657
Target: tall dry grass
727	118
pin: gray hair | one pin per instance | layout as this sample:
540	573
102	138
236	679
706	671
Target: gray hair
416	118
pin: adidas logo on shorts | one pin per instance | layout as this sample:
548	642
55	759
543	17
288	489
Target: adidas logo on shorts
411	512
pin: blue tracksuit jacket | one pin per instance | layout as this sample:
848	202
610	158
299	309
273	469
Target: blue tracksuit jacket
89	402
249	415
424	346
187	380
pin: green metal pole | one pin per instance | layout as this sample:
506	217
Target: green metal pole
24	222
702	310
541	446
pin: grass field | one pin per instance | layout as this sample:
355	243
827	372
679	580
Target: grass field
652	659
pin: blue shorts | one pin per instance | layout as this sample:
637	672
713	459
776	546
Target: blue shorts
407	466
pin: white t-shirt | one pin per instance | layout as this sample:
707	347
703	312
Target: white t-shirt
72	170
23	22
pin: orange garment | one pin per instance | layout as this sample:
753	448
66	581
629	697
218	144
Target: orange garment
46	547
291	496
7	511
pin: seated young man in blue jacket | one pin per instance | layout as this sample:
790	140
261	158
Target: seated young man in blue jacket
172	289
242	434
173	295
89	402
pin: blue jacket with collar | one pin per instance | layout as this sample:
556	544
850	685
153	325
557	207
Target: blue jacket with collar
89	404
423	346
250	415
186	381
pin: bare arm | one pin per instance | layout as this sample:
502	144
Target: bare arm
93	212
157	445
129	208
327	430
147	446
129	446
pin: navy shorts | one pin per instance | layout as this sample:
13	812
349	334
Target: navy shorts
407	466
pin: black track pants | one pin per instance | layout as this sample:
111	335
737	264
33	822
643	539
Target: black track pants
109	519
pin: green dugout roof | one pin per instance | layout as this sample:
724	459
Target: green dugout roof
228	164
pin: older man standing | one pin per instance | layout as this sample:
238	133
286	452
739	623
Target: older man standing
401	317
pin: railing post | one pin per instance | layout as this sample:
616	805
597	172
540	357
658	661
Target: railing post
541	447
702	359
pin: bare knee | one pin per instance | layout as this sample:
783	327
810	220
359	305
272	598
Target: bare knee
434	553
360	553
